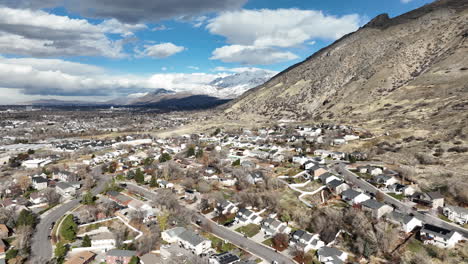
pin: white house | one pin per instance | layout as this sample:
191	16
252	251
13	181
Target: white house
226	208
386	180
223	258
39	182
354	197
330	255
105	240
456	214
377	208
245	217
35	163
337	186
271	227
407	222
305	240
65	189
439	236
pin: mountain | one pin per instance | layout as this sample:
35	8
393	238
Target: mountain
405	77
54	102
236	84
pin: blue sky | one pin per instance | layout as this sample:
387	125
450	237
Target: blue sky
124	47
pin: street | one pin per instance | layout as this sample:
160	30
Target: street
235	238
426	218
41	246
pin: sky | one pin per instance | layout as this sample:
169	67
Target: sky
97	50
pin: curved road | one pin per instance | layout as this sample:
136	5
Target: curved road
426	218
235	238
41	247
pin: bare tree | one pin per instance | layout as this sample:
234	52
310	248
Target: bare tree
51	196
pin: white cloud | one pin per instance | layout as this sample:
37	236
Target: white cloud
54	65
160	51
160	28
163	68
193	68
313	42
37	33
199	21
249	55
281	27
115	27
406	1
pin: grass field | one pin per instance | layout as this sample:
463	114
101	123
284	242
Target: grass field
249	230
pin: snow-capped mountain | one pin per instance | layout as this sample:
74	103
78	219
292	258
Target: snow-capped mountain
233	85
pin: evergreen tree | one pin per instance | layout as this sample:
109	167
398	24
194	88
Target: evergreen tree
26	218
88	199
134	260
153	182
190	152
199	153
236	163
61	251
139	176
165	157
86	241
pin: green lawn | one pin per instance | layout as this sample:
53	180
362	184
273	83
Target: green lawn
268	242
443	217
396	196
219	244
414	246
250	230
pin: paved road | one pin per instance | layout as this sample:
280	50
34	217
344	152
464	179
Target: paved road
41	247
426	218
235	238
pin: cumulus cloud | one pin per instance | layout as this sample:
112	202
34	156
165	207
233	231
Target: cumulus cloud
280	28
249	55
40	34
258	36
160	51
133	11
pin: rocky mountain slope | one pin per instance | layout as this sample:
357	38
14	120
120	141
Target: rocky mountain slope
406	76
236	84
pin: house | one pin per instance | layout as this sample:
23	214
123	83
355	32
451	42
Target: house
4	231
337	186
456	214
165	184
119	198
39	182
116	256
407	222
439	236
271	227
104	240
191	195
377	208
331	255
226	208
386	180
172	235
37	198
228	182
354	197
328	177
65	189
372	170
254	177
65	176
224	258
35	163
305	240
83	257
431	199
194	242
245	216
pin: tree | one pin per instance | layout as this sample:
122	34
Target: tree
11	254
236	163
139	176
134	260
88	182
26	218
199	154
163	220
61	251
379	196
51	196
280	240
153	182
88	199
31	151
165	157
68	228
86	241
190	152
24	182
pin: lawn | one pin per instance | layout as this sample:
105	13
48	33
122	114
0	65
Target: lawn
219	244
364	175
443	217
249	230
414	246
224	219
396	196
268	242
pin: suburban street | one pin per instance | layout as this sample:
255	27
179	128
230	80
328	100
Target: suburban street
41	247
427	218
235	238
